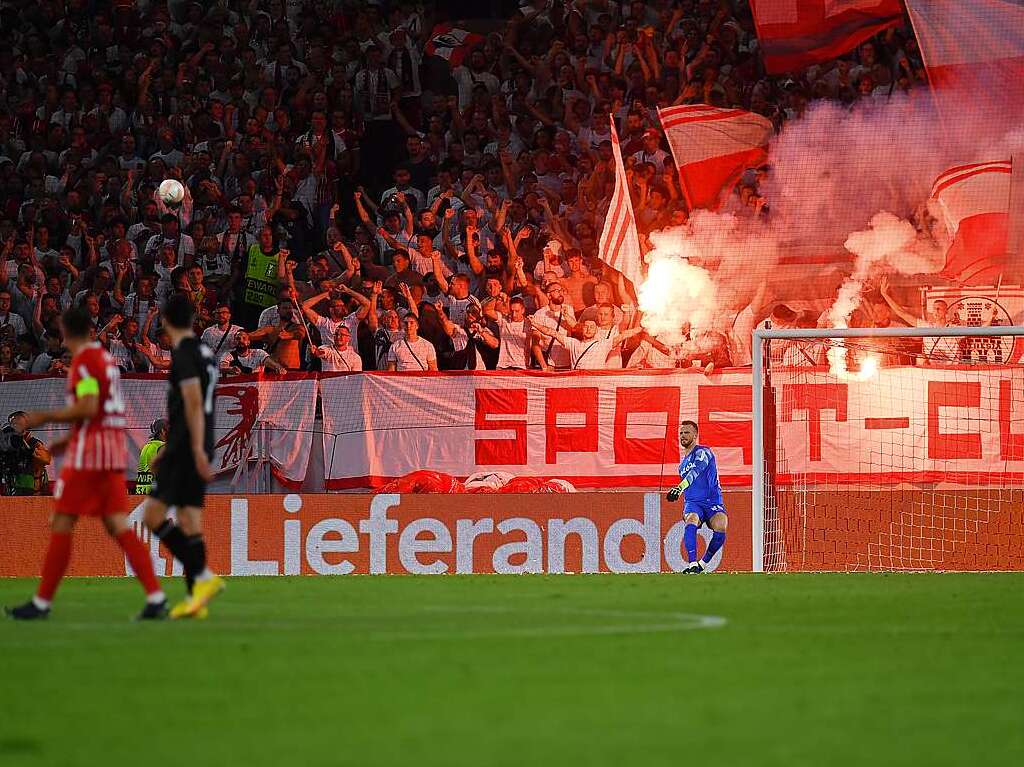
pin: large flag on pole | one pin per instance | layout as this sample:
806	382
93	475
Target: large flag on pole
976	49
794	34
712	147
620	244
973	201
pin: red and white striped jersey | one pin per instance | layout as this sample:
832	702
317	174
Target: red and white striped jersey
98	443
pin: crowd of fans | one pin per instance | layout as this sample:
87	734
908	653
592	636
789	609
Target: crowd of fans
351	202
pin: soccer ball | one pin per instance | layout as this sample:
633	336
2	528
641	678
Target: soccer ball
171	192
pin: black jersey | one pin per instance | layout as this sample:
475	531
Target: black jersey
192	359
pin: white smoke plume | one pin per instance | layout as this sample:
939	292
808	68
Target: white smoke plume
888	244
840	177
680	290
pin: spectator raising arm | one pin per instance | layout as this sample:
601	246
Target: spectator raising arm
442	281
898	310
406	292
472	245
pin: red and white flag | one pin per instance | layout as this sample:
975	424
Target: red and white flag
974	201
620	244
712	147
974	48
794	34
452	43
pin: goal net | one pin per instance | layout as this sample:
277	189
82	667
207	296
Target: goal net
888	449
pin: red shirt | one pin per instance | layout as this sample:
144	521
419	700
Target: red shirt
98	443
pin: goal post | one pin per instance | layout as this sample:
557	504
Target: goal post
888	449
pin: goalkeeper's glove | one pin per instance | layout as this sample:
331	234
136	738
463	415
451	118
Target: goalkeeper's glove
675	492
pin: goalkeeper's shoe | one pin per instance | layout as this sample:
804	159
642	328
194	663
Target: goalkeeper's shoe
153	612
27	612
694	568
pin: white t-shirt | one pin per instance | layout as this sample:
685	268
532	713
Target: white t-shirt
648	356
424	265
120	353
12	272
412	355
329	327
184	246
16	321
456	308
514	348
543	266
254	360
559	355
656	158
337	360
269	317
588	355
214	338
164	355
941	350
138	307
467	80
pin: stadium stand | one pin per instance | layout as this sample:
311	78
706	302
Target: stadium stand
352	162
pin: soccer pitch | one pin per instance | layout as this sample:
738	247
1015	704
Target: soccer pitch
530	670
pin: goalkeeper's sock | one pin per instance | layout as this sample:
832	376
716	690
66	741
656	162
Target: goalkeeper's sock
717	541
690	541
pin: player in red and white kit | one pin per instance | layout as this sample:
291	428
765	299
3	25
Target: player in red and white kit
91	482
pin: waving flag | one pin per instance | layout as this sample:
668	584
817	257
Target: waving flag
975	48
712	147
620	244
452	42
974	201
794	34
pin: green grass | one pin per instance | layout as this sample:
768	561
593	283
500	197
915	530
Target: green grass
488	671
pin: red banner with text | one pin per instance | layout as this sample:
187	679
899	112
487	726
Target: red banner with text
607	430
601	430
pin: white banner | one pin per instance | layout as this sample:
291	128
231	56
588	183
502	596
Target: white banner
270	418
958	426
596	429
608	430
604	429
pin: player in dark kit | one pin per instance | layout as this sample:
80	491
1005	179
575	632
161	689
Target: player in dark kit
91	482
183	468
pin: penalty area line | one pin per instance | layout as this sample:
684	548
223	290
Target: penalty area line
658	622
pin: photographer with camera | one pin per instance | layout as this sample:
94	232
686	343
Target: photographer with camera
23	458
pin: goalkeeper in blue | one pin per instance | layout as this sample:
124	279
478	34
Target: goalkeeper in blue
702	496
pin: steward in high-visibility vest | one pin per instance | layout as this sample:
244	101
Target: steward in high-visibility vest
257	280
144	477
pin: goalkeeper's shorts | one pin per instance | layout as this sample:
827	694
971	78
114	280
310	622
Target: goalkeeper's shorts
703	510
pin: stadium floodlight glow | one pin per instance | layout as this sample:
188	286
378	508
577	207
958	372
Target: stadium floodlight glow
907	456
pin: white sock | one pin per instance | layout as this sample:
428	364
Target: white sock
156	598
42	604
205	575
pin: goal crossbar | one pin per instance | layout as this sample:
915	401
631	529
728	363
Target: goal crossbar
758	363
762	334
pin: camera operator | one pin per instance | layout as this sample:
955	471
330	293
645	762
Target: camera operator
23	458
